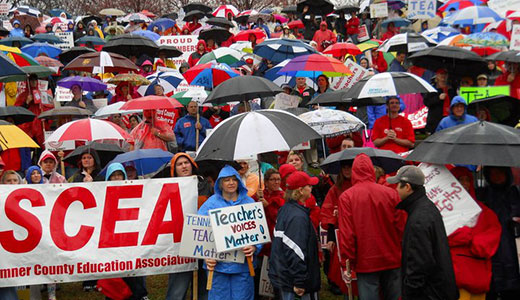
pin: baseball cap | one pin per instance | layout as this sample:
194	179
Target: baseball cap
300	179
286	169
410	174
482	76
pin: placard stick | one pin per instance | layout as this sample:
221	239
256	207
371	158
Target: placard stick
250	264
195	284
210	280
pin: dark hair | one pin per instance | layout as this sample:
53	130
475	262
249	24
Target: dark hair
400	52
326	79
270	173
342	179
414	187
134	117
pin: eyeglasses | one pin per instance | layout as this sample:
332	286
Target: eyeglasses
275	179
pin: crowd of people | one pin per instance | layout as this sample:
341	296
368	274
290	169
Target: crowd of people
383	236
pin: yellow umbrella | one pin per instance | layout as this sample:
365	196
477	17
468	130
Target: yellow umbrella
10	49
11	136
136	79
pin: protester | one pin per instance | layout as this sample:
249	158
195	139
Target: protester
511	77
458	115
482	80
323	84
151	133
89	167
378	61
392	131
353	27
391	30
438	103
78	100
426	266
16	31
124	92
493	72
198	53
324	37
302	90
188	127
250	180
48	164
397	63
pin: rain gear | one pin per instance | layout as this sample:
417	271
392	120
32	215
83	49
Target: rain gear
79	176
452	120
322	35
132	91
370	227
80	32
197	54
53	177
185	132
29	172
205	190
275	200
16	31
113	167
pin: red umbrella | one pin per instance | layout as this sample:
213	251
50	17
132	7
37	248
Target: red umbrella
209	75
152	102
244	35
342	49
88	130
296	24
148	13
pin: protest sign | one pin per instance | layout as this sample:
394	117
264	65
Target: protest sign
345	82
238	226
186	43
515	38
58	146
379	10
198	241
68	39
363	33
4	7
417	118
471	93
81	231
266	288
422	9
7	25
302	146
456	206
62	94
284	101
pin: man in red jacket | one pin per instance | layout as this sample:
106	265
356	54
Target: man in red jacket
370	232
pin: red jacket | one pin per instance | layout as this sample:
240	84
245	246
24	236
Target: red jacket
380	63
352	26
330	204
275	200
514	85
370	227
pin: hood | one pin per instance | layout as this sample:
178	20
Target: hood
146	63
94	154
457	100
509	177
323	23
16	22
115	167
47	154
228	171
459	172
201	42
29	172
174	160
363	169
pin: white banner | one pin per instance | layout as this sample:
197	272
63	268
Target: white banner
238	226
68	37
284	101
422	9
186	43
198	241
456	206
62	94
82	231
515	38
345	82
379	10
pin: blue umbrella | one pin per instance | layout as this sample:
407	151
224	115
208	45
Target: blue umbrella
440	33
398	22
90	39
36	48
162	24
148	34
279	80
473	15
86	83
278	50
168	80
21	39
47	37
146	161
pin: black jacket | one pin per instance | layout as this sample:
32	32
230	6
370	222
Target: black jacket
294	251
435	108
426	269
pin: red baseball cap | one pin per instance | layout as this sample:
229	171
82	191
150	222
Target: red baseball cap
300	179
286	169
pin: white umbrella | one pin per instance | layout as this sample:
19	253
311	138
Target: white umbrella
331	122
113	109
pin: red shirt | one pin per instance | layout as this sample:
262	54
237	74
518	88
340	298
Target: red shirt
402	127
352	26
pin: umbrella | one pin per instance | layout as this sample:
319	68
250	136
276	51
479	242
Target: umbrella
106	152
337	98
222	22
146	161
173	16
40	71
168	80
224	10
456	60
193	14
486	39
342	49
10	71
111	12
169	51
147	34
19	114
313	65
278	50
19	58
114	109
279	80
87	19
292	9
36	49
48	62
386	159
222	55
407	43
347	9
196	95
47	38
478	143
512	56
101	62
68	55
131	45
65	111
458	4
152	102
317	7
473	15
27	10
243	88
255	132
135	79
26	20
398	22
440	33
502	109
87	130
197	6
370	44
389	84
330	122
216	34
135	17
86	83
454	40
8	41
243	35
209	75
244	15
163	24
11	136
296	24
94	40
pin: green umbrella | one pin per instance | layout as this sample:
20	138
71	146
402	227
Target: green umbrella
191	95
40	71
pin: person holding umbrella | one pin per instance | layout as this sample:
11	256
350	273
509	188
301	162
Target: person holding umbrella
188	127
79	101
151	133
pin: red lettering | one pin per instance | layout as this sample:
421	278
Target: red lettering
169	194
57	226
112	213
23	218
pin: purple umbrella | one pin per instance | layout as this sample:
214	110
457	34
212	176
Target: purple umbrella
86	83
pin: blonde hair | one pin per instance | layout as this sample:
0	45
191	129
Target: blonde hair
11	172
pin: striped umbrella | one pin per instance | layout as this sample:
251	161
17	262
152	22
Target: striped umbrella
114	109
18	57
87	130
221	55
209	75
279	80
48	62
313	65
407	43
440	33
342	49
280	49
472	16
459	4
224	10
243	46
244	34
168	80
32	11
101	62
197	95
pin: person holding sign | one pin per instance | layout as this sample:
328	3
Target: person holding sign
294	267
231	281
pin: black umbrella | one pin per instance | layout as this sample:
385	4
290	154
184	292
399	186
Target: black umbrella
172	16
67	56
88	19
407	43
192	14
216	34
3	31
456	60
131	45
336	98
502	109
292	9
296	110
169	51
386	159
197	6
219	21
65	111
317	7
106	153
478	143
19	114
512	56
242	88
347	9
